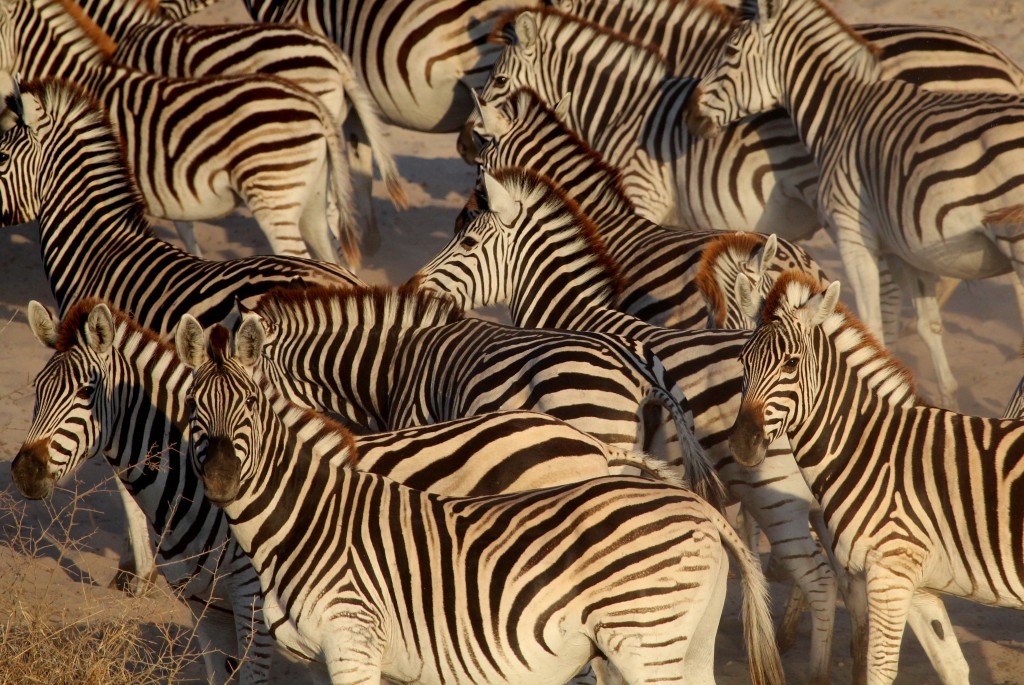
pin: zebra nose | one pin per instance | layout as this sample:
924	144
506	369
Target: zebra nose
31	471
697	121
221	471
747	441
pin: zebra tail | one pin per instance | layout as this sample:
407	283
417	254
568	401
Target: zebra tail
341	188
700	472
369	117
758	631
651	466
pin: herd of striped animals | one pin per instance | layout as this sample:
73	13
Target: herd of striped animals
650	338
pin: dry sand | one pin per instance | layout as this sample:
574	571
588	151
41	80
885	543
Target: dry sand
983	334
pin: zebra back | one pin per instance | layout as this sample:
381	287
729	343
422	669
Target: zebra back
355	528
70	174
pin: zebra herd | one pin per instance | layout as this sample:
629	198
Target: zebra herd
371	479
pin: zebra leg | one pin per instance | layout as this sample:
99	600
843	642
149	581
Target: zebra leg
360	156
890	593
891	302
859	253
921	286
777	496
930	623
281	230
187	232
353	656
134	575
315	226
254	646
215	640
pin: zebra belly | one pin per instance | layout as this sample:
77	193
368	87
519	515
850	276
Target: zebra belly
967	255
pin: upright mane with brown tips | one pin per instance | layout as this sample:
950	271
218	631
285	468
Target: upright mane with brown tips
865	339
378	301
746	243
552	194
69	331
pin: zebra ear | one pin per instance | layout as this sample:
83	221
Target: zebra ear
749	305
526	31
829	300
99	329
562	106
768	251
44	324
190	342
493	122
249	340
500	201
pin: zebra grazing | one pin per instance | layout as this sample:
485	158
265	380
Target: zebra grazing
916	497
928	181
196	146
657	264
369	569
486	263
114	386
64	169
385	359
147	41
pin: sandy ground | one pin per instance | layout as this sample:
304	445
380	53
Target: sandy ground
983	334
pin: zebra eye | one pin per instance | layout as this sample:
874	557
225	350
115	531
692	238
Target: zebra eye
790	363
85	392
501	81
4	158
250	402
190	405
469	242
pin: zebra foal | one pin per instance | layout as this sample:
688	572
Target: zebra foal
148	41
929	182
364	573
114	388
916	497
198	147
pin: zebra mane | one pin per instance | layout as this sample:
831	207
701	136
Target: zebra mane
711	8
553	20
295	414
73	110
738	243
528	107
69	333
539	190
80	26
794	288
404	305
747	11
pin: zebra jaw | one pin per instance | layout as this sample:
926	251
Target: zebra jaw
31	471
747	441
221	472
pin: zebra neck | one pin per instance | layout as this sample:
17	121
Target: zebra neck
146	437
52	42
826	81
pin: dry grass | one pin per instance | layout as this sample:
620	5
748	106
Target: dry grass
59	629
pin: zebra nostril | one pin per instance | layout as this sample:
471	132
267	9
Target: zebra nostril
30	471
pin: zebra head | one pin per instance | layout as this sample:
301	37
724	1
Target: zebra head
732	269
74	407
744	79
224	404
781	375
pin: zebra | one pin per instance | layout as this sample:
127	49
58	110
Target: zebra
384	359
889	187
1015	407
147	41
369	570
485	264
115	387
63	167
657	263
198	145
915	496
758	175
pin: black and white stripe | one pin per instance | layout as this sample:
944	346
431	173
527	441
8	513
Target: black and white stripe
148	41
916	497
196	146
930	182
363	572
113	387
385	359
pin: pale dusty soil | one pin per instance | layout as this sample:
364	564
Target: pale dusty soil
983	334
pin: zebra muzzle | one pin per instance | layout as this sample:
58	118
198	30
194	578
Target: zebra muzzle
31	471
747	440
697	121
222	471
